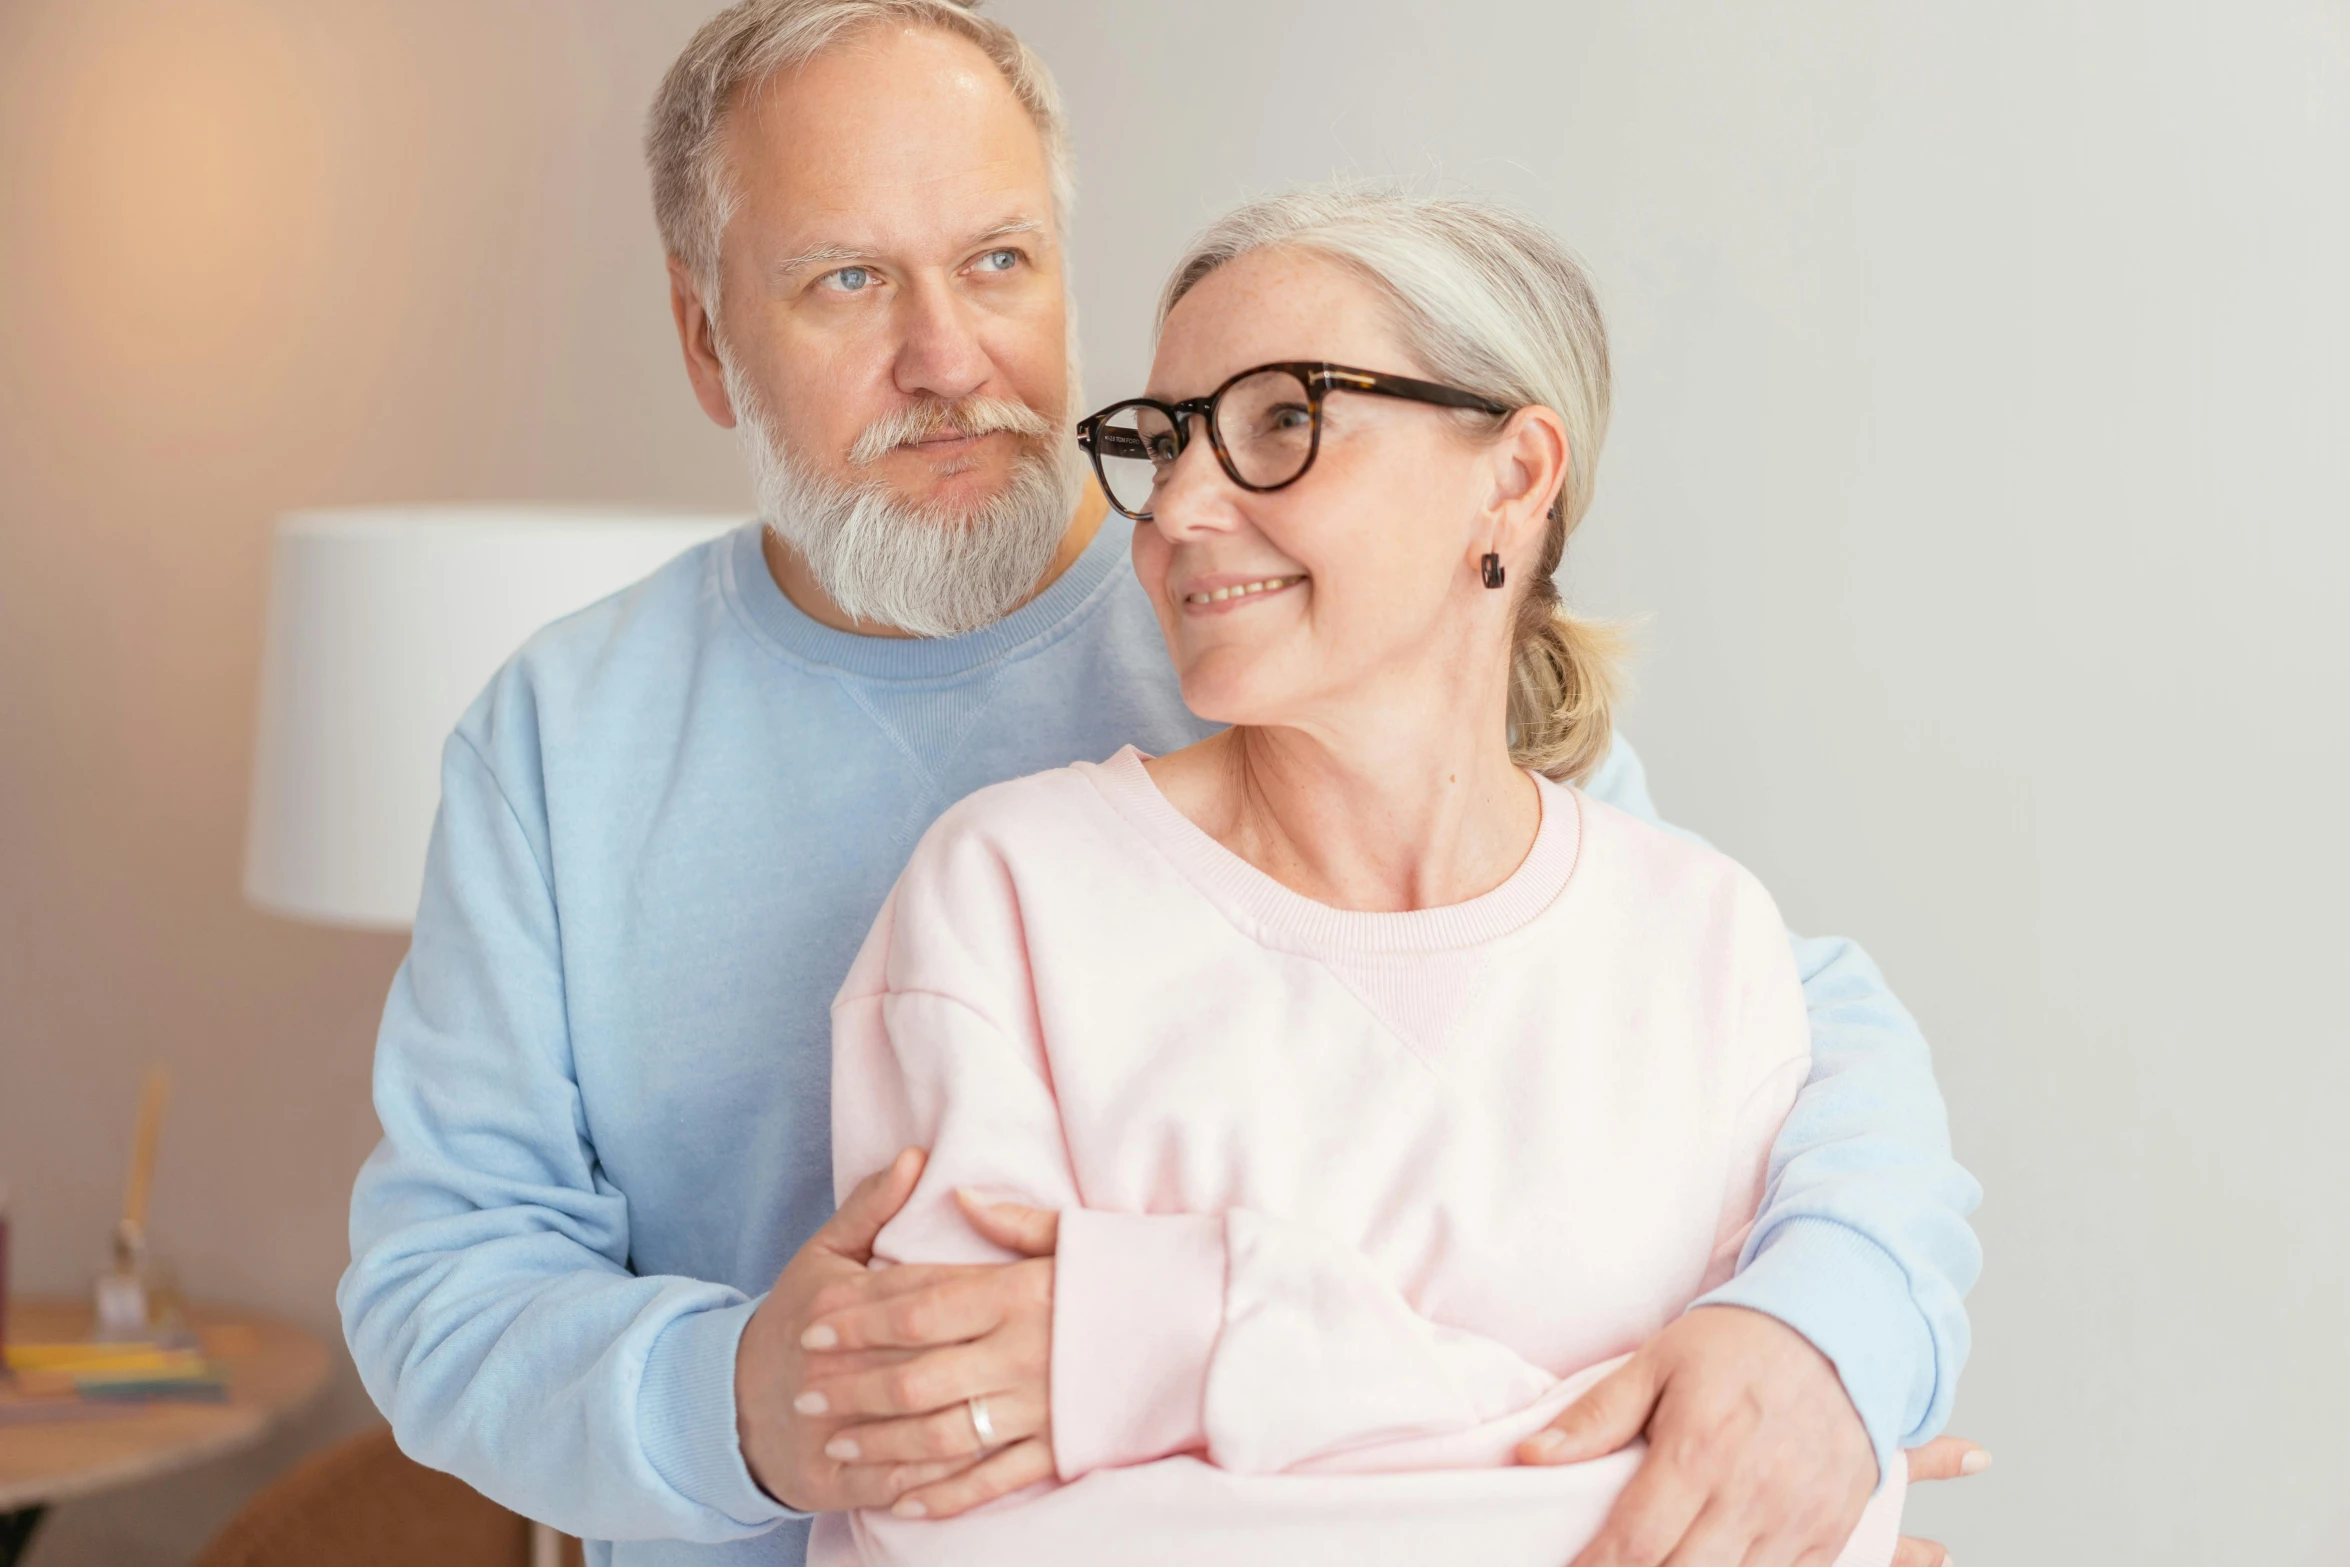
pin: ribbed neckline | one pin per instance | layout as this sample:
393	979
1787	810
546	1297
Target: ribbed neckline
778	622
1292	922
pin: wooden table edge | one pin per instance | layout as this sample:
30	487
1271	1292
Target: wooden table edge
259	1420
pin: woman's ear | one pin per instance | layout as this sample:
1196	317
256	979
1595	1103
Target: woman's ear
1529	468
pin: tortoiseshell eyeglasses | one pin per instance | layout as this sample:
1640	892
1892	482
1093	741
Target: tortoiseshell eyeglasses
1265	426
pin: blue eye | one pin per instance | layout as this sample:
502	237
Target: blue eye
999	261
850	280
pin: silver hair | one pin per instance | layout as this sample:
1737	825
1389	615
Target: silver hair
694	196
919	569
1488	300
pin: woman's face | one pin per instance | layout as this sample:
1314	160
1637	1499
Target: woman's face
1361	574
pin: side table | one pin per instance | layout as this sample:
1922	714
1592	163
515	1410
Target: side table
273	1370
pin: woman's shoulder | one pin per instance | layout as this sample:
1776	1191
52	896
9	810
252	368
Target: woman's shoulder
1020	804
1667	871
959	919
1680	912
1048	821
1046	804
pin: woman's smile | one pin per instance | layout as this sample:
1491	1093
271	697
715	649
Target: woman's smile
1221	595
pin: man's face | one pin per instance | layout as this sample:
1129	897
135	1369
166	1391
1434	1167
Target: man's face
894	251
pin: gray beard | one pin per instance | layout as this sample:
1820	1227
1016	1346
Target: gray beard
923	570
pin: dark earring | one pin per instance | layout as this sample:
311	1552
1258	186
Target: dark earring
1494	575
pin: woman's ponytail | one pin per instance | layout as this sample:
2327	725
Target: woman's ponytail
1564	680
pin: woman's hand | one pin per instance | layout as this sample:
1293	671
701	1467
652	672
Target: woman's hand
997	1325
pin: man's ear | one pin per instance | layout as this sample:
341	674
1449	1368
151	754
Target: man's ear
1530	466
697	334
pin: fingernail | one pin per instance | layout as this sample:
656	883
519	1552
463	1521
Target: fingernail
909	1508
819	1337
1547	1443
842	1448
1973	1464
810	1404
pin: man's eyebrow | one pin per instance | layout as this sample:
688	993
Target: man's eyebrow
1008	229
822	254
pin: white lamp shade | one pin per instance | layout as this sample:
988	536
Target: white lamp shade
384	624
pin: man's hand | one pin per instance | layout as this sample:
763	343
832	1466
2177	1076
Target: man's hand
1756	1457
998	1325
1944	1458
783	1448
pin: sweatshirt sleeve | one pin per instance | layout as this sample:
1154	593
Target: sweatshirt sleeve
489	1304
1862	1245
1137	1299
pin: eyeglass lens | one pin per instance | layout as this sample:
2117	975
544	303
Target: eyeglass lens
1264	422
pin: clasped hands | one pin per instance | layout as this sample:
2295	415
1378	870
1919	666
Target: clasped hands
852	1387
853	1390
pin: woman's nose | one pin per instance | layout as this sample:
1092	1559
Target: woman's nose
1192	494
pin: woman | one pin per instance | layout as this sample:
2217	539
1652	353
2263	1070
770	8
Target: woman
1388	1089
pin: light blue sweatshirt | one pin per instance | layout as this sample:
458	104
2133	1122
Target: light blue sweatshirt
604	1067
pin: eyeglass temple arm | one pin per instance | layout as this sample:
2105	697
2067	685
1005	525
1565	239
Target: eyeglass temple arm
1417	391
1404	386
1110	441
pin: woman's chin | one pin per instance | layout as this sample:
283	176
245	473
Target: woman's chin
1211	692
1222	694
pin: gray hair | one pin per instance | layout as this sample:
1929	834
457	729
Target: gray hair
886	562
685	134
1487	300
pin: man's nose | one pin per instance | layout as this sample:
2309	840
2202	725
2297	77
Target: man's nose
940	354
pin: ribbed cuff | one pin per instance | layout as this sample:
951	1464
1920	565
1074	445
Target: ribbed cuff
1847	1295
1138	1299
685	1417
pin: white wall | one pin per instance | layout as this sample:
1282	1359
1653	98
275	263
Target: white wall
1981	459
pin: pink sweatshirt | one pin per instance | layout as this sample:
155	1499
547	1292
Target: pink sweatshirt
1350	1203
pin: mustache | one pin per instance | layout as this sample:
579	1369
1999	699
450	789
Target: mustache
930	418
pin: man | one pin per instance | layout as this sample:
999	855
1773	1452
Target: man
665	828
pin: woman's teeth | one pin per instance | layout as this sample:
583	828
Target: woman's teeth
1243	589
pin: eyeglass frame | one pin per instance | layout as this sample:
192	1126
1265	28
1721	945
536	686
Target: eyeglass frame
1319	380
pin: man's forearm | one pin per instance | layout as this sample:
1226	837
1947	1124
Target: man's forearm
1863	1245
494	1324
586	1398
